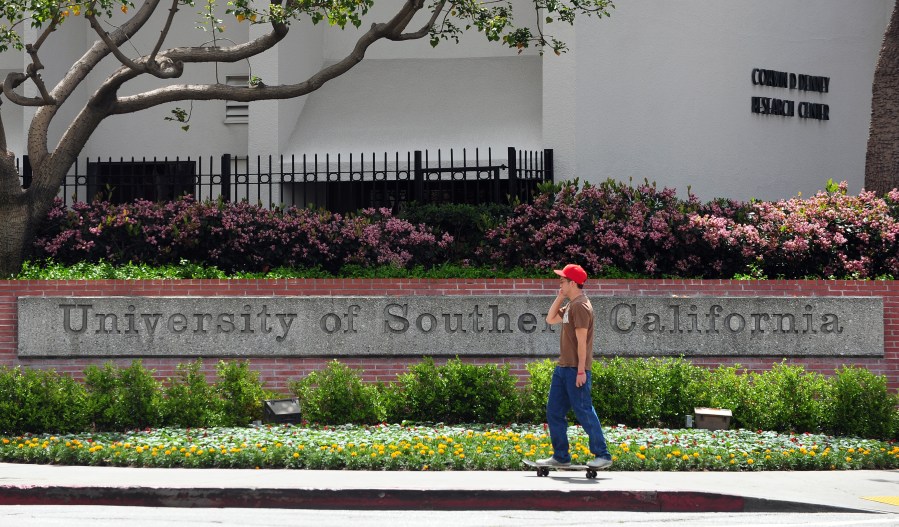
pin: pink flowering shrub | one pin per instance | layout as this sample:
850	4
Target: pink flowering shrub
650	232
830	235
640	230
234	236
637	229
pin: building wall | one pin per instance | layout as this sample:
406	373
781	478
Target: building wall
664	92
660	91
277	372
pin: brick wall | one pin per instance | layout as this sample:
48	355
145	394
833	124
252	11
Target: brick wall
277	371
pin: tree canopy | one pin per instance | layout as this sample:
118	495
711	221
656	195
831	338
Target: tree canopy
27	25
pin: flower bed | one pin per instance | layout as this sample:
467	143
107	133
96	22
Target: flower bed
439	447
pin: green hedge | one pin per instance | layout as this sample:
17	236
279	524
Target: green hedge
634	392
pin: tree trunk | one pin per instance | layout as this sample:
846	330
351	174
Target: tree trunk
882	159
16	235
20	216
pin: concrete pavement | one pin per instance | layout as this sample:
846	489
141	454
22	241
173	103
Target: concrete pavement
622	491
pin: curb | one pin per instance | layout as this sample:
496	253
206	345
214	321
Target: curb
381	499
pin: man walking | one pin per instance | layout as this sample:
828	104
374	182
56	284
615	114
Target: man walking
572	381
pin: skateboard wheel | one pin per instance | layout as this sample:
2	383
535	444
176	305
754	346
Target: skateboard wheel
591	474
542	472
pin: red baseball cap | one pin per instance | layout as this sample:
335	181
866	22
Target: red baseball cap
573	272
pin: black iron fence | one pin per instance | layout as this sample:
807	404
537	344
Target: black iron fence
338	183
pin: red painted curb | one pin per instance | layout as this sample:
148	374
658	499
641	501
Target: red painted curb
379	499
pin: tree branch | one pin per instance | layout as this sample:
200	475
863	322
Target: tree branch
37	133
13	80
207	92
112	47
176	57
165	31
426	29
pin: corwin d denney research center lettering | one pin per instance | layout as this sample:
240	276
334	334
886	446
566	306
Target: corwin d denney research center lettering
441	326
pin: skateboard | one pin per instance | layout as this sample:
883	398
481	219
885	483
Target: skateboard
544	471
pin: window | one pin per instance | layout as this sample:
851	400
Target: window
237	112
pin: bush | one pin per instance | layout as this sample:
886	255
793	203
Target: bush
626	391
233	237
457	393
119	399
789	399
536	393
612	225
189	400
38	401
467	224
861	404
612	229
337	395
241	393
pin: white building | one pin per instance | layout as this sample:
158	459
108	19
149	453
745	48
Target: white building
665	91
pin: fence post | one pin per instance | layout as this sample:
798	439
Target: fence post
226	177
418	189
26	172
513	172
549	174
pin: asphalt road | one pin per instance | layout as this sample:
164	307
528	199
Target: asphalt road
93	516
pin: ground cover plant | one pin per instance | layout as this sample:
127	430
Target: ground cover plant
445	447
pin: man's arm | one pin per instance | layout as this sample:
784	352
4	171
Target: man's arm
581	334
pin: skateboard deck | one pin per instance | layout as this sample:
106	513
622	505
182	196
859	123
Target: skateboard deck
544	471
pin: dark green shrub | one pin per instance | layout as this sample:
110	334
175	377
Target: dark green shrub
40	401
466	223
337	395
680	386
421	392
190	401
536	392
787	398
485	393
625	392
861	404
241	392
119	399
728	387
457	393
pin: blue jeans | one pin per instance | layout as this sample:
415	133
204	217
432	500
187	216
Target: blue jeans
563	396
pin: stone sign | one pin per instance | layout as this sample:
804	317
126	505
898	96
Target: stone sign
776	326
441	326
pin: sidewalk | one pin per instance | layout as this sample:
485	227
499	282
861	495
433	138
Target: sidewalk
622	491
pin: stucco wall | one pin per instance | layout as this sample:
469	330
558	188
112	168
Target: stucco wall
664	90
661	91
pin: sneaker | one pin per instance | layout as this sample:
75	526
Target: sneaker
600	463
551	462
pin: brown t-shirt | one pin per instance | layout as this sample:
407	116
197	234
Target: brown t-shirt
577	314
